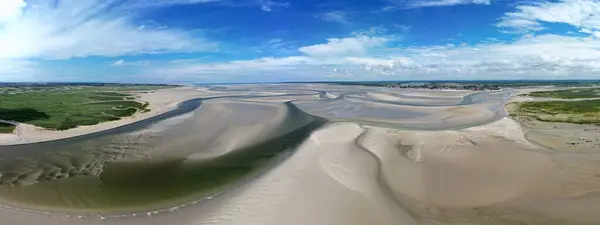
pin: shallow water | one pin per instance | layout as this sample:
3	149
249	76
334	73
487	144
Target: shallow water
174	160
345	109
138	171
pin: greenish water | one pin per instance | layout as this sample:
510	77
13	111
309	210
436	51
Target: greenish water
143	186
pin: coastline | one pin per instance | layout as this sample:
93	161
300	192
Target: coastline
91	177
478	165
161	101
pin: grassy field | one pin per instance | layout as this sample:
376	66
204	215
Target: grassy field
66	107
580	112
569	93
6	128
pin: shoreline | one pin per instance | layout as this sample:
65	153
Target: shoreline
161	101
549	135
277	136
136	212
475	165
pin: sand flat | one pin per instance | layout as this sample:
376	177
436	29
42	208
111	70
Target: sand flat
472	166
190	159
323	168
412	100
454	171
437	93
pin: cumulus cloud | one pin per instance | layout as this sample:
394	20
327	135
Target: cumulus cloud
359	45
81	28
528	17
543	56
11	9
530	57
314	59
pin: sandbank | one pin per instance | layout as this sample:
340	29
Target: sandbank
471	166
197	154
397	98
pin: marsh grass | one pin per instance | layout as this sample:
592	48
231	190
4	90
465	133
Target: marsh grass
568	93
62	108
580	112
6	128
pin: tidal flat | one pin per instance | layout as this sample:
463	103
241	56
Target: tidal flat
298	154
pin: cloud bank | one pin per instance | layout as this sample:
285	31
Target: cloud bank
82	28
35	31
368	58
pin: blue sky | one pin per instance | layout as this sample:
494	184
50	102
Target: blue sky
160	41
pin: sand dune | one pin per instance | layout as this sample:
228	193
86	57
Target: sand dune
323	168
441	164
454	171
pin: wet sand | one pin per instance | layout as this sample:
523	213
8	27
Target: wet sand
154	167
443	158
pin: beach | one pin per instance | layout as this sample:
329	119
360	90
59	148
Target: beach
307	154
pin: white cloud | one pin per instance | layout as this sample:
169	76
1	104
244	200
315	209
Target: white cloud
335	16
120	62
544	56
81	28
530	57
411	4
17	70
434	3
11	9
583	14
160	3
520	25
358	45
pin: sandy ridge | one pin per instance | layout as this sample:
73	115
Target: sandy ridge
352	174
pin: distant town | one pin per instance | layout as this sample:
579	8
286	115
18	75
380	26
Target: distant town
449	86
471	85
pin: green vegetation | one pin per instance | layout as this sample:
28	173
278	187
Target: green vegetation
6	128
66	107
580	112
109	98
569	93
113	94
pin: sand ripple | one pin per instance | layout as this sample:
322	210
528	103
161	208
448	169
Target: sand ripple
351	172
